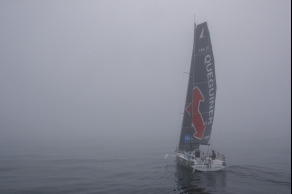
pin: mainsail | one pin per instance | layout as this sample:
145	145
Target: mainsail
201	93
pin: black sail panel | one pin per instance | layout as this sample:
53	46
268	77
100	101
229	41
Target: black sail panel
201	93
187	129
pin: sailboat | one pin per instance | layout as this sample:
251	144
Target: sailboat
200	108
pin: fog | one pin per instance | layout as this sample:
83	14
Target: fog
113	71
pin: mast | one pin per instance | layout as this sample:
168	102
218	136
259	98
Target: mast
194	59
192	73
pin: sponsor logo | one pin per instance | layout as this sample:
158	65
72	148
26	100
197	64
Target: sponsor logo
187	138
197	119
202	33
211	86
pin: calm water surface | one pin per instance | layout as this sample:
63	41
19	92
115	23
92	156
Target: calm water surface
135	169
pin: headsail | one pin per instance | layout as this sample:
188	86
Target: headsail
201	93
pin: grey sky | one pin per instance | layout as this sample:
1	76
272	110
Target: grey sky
95	70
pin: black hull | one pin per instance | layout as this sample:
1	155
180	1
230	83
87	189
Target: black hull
183	162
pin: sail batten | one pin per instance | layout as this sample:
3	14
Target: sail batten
201	93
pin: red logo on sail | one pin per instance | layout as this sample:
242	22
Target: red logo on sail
193	109
197	118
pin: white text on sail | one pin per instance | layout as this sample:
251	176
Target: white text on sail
210	76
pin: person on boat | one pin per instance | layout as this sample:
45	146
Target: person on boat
208	161
203	157
197	153
213	155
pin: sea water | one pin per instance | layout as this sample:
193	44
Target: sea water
137	168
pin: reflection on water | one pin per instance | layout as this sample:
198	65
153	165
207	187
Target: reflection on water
199	182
